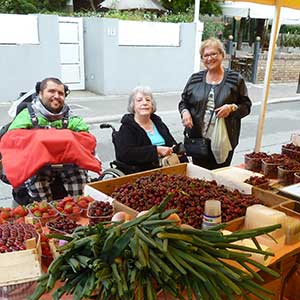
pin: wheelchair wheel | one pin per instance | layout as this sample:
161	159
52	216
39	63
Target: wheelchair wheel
111	173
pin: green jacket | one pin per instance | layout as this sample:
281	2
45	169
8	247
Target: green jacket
23	120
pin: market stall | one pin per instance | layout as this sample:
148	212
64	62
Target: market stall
105	194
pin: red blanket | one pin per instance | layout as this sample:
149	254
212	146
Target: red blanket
25	151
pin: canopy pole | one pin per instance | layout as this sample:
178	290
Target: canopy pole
268	74
198	36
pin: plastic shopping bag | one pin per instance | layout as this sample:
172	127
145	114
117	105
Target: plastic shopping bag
220	143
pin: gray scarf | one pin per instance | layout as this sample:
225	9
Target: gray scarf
41	110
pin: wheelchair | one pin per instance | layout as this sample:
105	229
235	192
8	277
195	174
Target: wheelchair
58	191
20	194
117	168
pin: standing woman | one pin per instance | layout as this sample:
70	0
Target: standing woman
143	137
210	94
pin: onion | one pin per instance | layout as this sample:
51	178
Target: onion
119	217
141	213
174	217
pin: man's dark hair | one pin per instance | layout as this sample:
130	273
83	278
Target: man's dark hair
44	82
41	85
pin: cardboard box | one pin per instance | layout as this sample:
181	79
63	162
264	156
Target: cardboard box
21	266
101	190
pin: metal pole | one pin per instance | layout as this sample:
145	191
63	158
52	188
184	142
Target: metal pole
255	59
230	50
198	36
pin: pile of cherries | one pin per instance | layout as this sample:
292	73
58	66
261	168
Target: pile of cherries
62	224
253	161
99	211
275	158
257	180
291	151
13	236
189	196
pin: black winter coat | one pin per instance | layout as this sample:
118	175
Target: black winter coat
133	146
232	90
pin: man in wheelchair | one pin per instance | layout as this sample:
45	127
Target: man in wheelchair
47	147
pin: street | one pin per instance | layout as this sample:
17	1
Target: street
282	119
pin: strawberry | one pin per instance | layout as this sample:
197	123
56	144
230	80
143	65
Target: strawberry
51	212
20	211
37	214
67	199
45	215
68	209
5	214
82	203
20	220
76	210
43	206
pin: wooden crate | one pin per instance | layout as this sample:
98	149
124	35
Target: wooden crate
21	266
102	190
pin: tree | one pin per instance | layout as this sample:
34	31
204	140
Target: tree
52	5
18	6
31	6
206	7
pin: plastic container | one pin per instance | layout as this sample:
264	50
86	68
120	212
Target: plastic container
73	215
285	177
270	170
259	216
42	211
62	225
252	164
296	177
100	211
212	214
292	230
293	154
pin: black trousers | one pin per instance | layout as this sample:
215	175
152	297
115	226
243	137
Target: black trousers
210	163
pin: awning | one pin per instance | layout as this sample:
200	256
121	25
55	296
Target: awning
259	11
278	6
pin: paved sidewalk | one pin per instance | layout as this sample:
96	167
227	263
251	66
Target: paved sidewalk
99	108
114	106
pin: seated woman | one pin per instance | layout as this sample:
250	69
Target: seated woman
143	137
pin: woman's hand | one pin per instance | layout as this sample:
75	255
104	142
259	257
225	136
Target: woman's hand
224	111
187	120
164	151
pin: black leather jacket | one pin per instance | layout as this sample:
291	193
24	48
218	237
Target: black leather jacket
232	90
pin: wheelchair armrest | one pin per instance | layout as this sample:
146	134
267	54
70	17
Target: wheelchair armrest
59	166
125	168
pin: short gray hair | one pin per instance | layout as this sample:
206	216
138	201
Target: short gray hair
146	91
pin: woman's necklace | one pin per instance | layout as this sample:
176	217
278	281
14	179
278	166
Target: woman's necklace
148	127
214	79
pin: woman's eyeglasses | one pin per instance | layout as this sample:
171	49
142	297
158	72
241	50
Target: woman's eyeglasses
212	55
